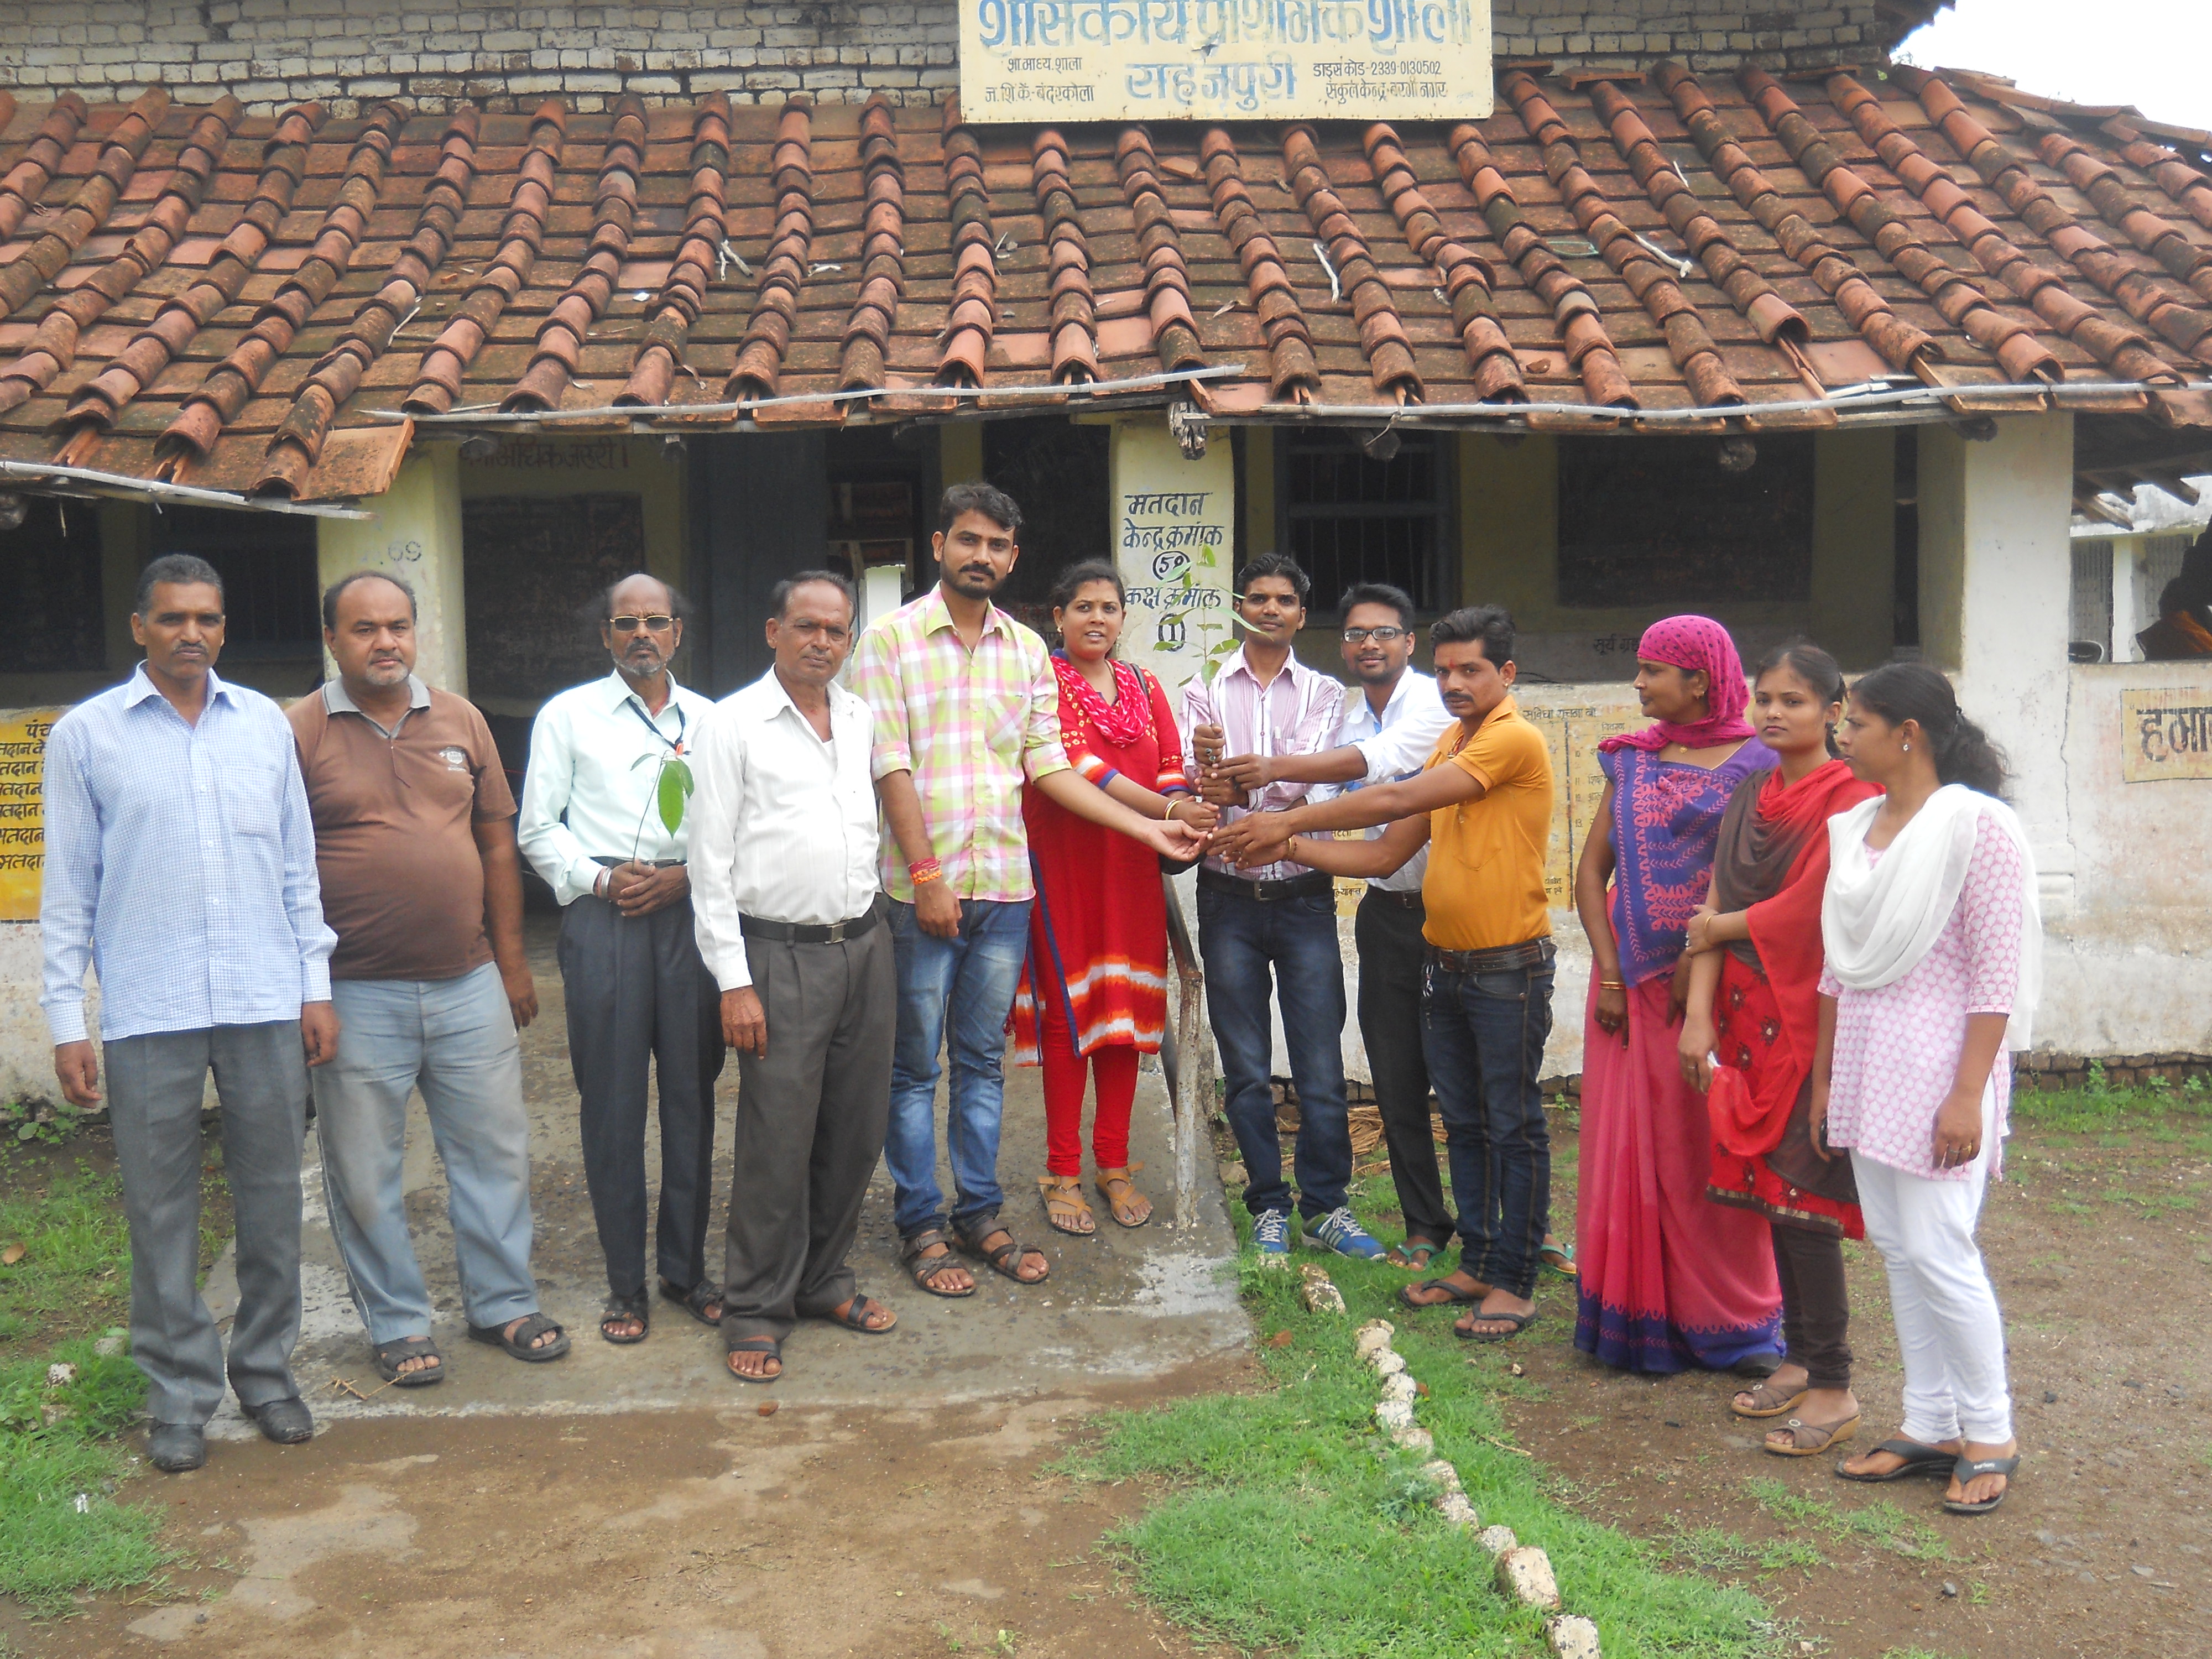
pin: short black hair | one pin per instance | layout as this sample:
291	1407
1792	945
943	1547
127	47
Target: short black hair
1490	626
1397	599
602	607
1264	565
183	570
331	595
992	503
779	597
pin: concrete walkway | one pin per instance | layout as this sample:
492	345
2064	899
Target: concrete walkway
1119	1305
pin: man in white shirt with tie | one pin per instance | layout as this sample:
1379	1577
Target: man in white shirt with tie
1392	718
637	993
789	915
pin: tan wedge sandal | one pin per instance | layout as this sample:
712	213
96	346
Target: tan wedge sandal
1129	1206
1064	1207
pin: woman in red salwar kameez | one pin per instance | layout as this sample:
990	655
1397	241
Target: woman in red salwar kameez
1093	994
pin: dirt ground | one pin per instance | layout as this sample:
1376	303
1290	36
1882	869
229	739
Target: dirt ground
2101	1249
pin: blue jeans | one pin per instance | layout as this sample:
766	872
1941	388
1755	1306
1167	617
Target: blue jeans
1482	1035
961	988
454	1039
1253	947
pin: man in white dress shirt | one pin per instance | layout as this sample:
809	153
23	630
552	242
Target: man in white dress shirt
637	993
1392	718
789	920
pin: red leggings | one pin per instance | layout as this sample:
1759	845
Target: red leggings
1064	1071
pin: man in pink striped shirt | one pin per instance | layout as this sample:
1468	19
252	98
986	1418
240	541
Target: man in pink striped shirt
1276	921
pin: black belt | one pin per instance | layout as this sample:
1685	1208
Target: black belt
1297	887
650	864
1499	959
1404	899
806	933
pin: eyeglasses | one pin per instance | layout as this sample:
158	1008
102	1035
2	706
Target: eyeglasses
1380	635
631	624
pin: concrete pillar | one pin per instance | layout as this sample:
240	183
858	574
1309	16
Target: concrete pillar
1995	588
415	536
2128	619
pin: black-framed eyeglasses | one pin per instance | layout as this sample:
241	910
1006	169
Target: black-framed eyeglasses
631	624
1380	635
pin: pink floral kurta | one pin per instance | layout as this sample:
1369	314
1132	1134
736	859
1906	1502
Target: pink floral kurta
1897	1048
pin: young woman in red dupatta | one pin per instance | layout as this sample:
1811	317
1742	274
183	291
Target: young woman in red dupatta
1093	993
1754	1007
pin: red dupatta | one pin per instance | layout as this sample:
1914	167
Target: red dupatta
1772	862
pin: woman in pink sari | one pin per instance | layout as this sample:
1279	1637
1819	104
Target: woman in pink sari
1669	1280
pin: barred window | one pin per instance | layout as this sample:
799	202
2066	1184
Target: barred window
1348	517
272	601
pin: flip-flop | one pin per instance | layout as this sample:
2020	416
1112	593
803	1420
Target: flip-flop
1559	1258
1781	1408
1966	1468
1519	1321
855	1317
1402	1256
1455	1296
1831	1434
517	1345
1919	1460
767	1345
388	1356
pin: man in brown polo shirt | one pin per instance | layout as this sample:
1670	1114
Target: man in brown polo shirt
415	843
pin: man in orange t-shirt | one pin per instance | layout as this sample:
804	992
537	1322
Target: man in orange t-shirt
1483	805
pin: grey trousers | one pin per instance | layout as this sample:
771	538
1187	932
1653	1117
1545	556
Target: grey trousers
809	1126
155	1084
639	999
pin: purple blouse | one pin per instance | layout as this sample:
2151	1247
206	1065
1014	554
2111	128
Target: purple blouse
1666	823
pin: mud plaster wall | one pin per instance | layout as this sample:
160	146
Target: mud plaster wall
271	52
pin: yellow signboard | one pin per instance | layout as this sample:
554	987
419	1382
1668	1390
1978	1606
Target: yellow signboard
22	809
1225	60
2166	731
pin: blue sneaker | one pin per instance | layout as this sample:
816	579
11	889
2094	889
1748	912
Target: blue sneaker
1270	1232
1340	1231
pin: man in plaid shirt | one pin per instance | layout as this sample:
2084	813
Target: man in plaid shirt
967	714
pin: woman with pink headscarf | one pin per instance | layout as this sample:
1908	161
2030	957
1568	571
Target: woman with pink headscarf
1669	1280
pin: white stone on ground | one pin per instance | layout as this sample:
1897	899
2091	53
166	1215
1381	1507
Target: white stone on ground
1496	1540
1572	1637
1394	1415
1319	1292
1525	1575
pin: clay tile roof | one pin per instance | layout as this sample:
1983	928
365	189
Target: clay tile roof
250	302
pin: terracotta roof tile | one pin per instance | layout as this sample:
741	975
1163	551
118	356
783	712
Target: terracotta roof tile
230	296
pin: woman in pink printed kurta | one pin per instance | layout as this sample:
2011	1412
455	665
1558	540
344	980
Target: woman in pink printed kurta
1932	947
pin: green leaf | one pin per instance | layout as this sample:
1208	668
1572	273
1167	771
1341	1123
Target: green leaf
675	788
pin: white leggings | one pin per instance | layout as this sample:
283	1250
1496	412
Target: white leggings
1948	1329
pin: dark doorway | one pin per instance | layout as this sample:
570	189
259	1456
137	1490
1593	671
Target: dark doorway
1059	474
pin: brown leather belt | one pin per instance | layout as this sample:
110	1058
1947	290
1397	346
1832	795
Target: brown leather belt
1499	959
1310	886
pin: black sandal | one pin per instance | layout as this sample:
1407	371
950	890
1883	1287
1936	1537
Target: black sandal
1454	1296
389	1354
1004	1259
696	1300
622	1308
1965	1469
924	1269
1917	1460
1519	1321
767	1345
855	1317
518	1345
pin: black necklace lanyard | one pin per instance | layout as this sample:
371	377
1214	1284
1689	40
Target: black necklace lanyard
676	744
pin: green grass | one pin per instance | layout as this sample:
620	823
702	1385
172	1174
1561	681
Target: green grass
1282	1528
1882	1525
57	1443
2113	1114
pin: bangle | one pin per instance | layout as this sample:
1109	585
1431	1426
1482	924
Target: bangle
922	872
1612	985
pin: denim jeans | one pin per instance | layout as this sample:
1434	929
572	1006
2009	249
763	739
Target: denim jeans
1483	1035
1252	947
454	1039
954	993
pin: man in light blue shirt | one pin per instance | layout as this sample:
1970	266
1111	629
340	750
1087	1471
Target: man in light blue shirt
180	867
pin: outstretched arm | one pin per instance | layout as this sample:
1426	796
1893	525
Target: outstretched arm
1086	800
1385	855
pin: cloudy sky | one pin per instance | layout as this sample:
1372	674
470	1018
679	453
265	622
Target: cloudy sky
2150	53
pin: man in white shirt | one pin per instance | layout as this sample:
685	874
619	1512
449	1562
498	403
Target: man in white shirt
790	920
1391	720
636	992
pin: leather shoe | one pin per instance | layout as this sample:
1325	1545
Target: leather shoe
287	1422
173	1447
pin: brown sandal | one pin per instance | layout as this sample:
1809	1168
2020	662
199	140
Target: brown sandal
1129	1206
1064	1207
1810	1439
925	1269
1004	1259
1767	1400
